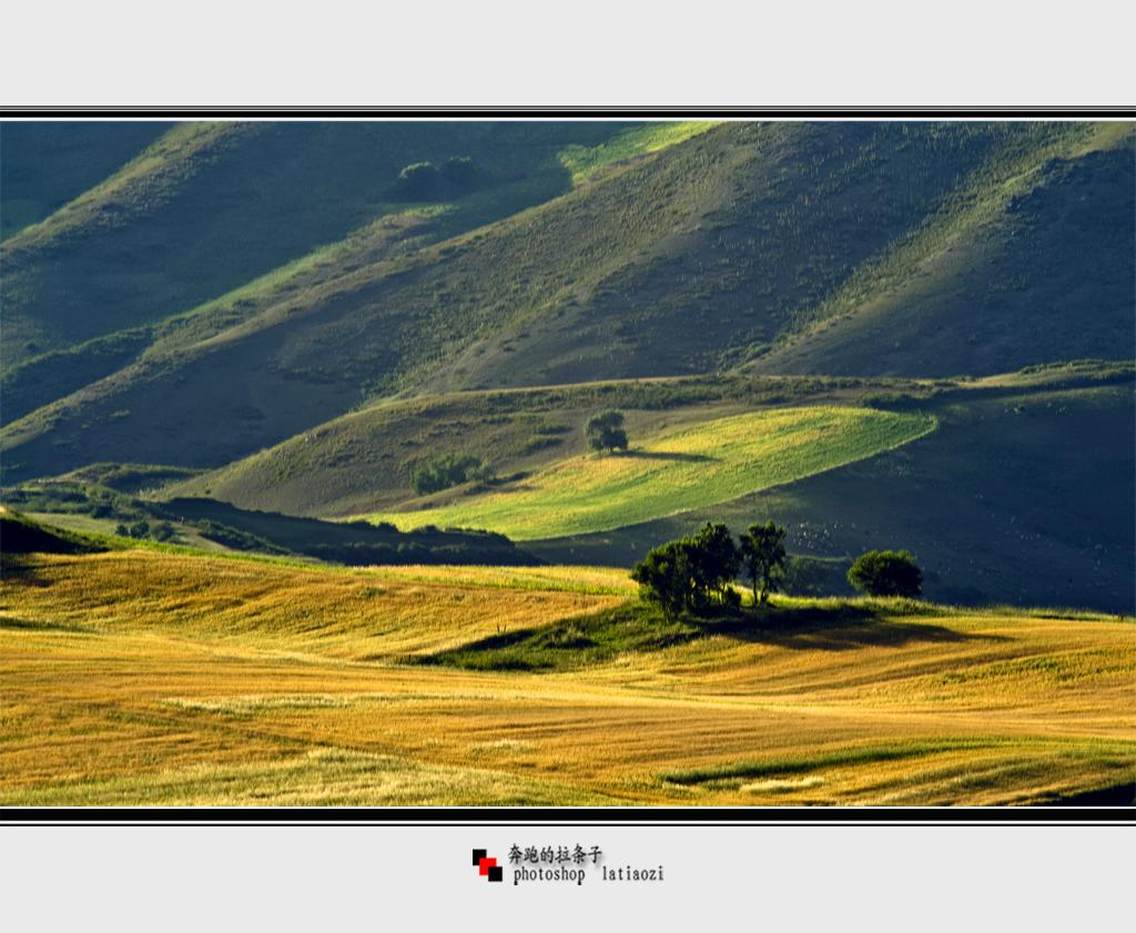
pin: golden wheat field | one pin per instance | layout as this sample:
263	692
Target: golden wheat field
141	677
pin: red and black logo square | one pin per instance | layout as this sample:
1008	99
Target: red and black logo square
487	867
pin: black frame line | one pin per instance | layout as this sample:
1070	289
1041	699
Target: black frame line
582	112
664	816
571	816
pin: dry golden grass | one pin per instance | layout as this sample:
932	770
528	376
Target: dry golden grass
140	677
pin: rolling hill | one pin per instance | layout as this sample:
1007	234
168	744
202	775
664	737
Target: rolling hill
1042	255
209	207
365	459
298	507
692	467
223	309
735	245
215	220
1023	494
218	681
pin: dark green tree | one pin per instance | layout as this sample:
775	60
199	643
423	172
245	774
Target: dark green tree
763	557
459	173
715	562
688	574
164	532
418	181
604	431
886	573
665	577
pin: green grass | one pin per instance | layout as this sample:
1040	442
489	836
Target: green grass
1002	258
45	165
585	161
697	256
565	646
365	459
694	467
1003	502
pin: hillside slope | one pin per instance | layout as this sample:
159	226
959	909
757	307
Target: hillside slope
45	165
695	466
208	207
215	220
362	462
1023	495
1038	269
696	256
1051	447
210	681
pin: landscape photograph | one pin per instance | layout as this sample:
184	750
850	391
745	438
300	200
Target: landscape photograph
583	462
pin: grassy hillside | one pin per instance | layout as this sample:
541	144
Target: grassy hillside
119	520
45	165
136	262
209	207
1051	447
219	681
364	460
1029	262
674	471
708	252
1022	495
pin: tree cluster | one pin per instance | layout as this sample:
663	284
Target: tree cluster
425	181
696	573
447	470
763	557
143	529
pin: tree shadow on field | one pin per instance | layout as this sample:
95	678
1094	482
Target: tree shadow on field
667	455
17	569
841	628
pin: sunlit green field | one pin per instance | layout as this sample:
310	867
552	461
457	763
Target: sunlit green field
583	161
142	677
692	467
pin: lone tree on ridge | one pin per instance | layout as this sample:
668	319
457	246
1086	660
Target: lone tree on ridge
605	431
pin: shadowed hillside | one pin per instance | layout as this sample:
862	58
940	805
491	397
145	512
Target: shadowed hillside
209	207
1037	270
45	165
711	251
213	208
